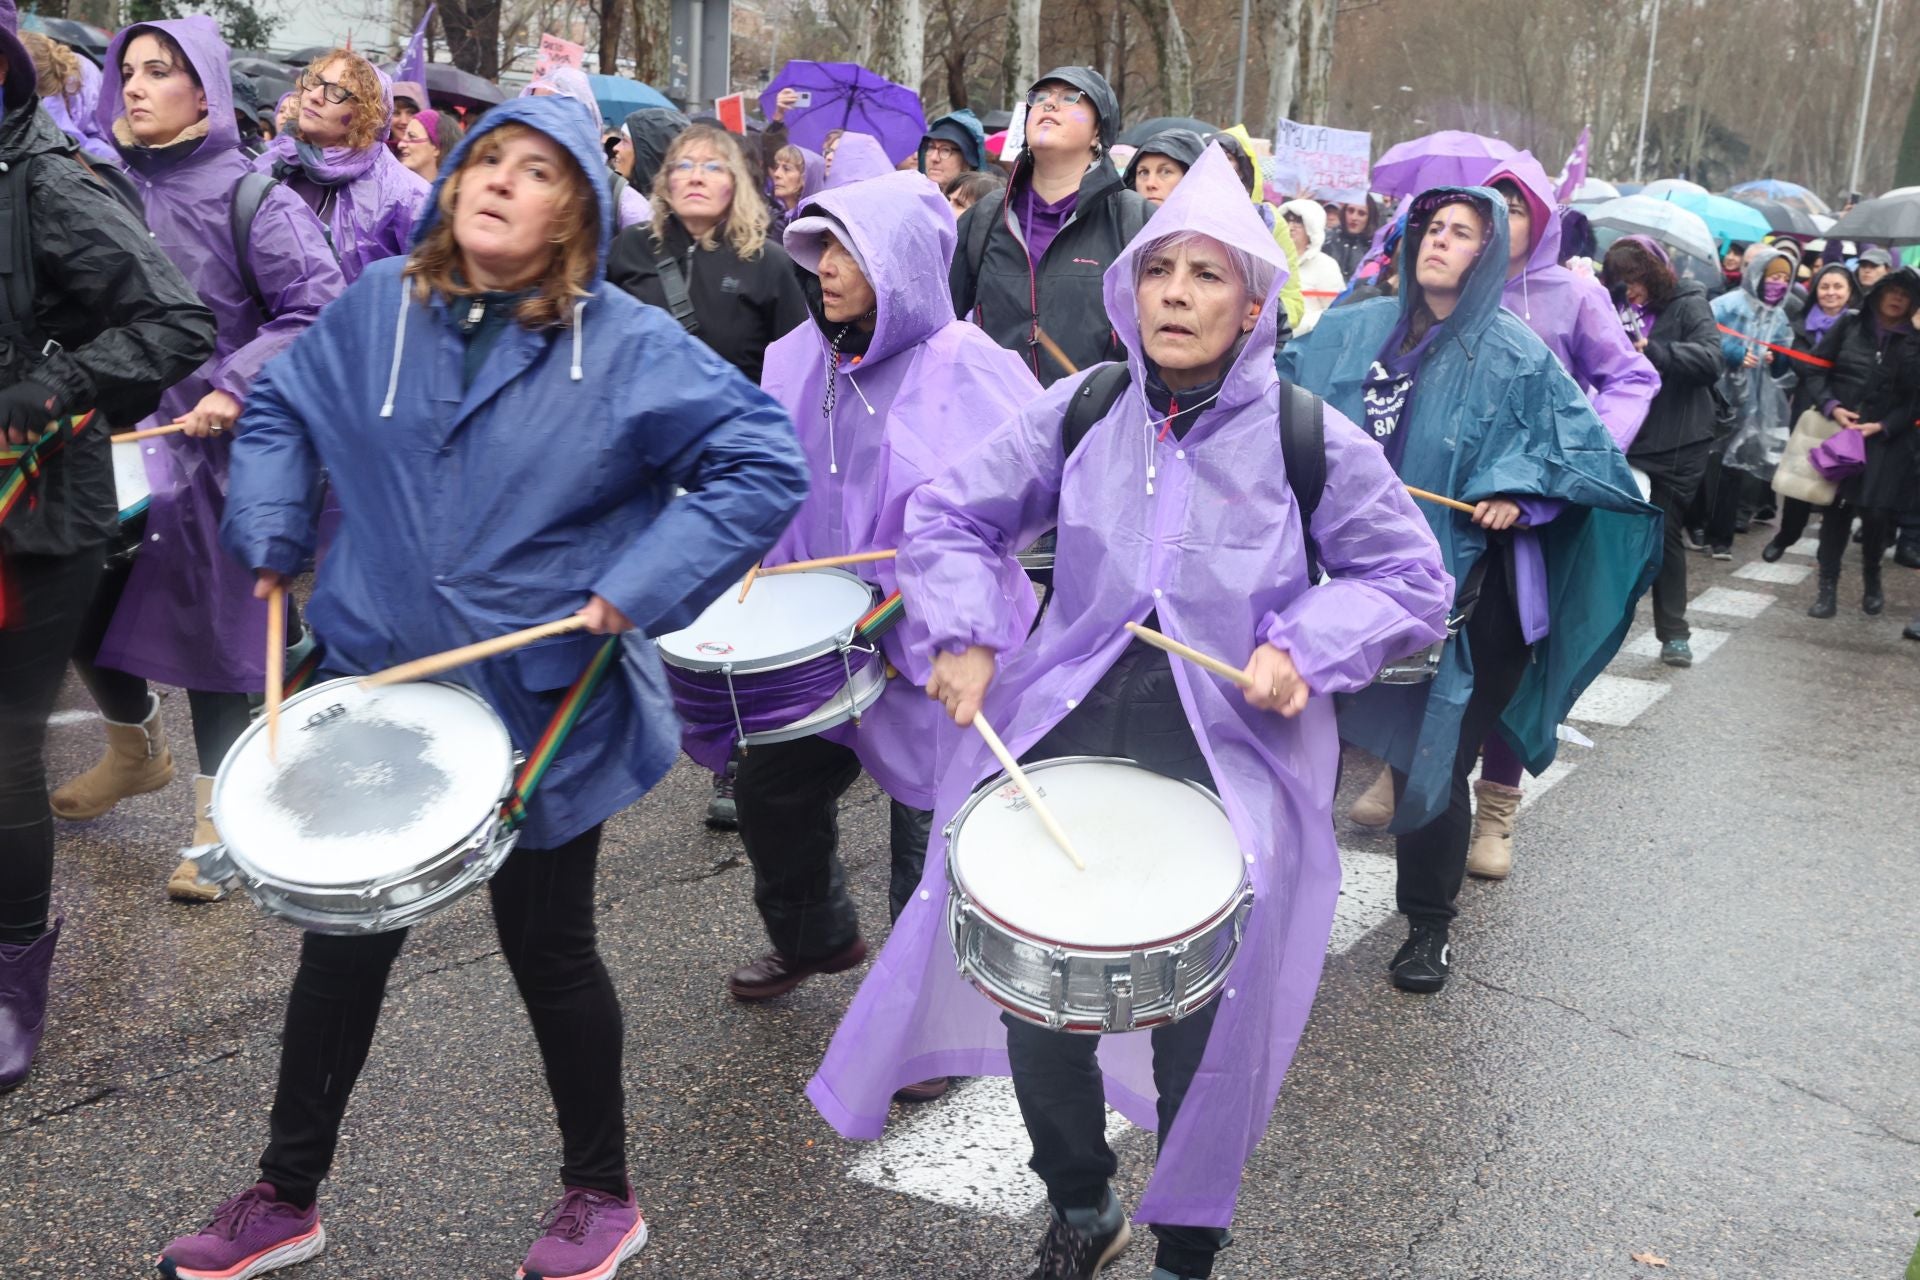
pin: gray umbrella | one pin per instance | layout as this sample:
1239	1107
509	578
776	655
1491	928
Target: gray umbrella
1893	219
1668	223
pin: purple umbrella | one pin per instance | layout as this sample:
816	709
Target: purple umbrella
1448	158
848	96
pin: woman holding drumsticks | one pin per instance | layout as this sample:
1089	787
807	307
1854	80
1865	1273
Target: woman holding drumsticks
498	466
1177	509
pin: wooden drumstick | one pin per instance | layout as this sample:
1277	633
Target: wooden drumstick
1053	349
1026	786
829	562
1424	496
276	666
434	664
1194	656
128	437
748	584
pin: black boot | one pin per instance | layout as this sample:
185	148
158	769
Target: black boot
1872	601
1827	603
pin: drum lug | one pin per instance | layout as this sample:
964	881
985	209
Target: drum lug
1057	989
216	867
1120	998
966	937
1240	914
1175	955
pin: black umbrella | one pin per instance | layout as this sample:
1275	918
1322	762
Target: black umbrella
271	89
995	121
1784	218
82	37
449	86
1160	124
1888	220
256	65
301	57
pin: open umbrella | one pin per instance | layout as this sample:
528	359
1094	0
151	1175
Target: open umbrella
1448	158
1595	189
249	64
620	96
1158	125
1785	219
845	95
1662	220
1789	193
449	86
996	121
1726	219
83	37
1892	219
1660	186
301	57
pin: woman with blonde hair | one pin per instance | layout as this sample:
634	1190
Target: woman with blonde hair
334	155
705	258
496	353
69	86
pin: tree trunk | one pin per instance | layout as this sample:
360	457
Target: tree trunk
653	42
898	50
1021	65
1176	64
472	29
612	18
1284	60
1310	102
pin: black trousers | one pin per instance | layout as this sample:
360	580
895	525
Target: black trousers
543	913
1676	478
1716	507
1433	859
1794	516
1057	1080
47	595
1836	531
787	795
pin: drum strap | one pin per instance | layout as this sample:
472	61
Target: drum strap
19	466
564	718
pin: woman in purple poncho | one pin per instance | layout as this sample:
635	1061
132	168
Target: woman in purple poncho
1175	509
183	612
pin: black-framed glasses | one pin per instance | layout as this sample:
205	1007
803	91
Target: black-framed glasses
335	93
1063	97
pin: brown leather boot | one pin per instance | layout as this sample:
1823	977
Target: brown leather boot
1490	856
137	761
185	885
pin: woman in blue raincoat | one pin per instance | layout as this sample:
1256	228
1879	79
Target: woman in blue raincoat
499	465
1468	402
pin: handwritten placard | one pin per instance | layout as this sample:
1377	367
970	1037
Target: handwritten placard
556	53
1320	162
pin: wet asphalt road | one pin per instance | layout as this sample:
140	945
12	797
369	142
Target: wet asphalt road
1686	1027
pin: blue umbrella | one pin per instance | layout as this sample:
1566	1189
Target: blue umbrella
1726	219
845	95
618	97
1785	192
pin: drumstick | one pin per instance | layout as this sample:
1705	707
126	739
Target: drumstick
128	437
1021	781
1173	646
829	562
434	664
276	666
748	584
1053	349
1467	507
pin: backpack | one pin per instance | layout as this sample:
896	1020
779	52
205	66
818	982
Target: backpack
1303	439
248	195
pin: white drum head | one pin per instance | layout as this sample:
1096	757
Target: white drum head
370	782
1161	857
786	619
130	485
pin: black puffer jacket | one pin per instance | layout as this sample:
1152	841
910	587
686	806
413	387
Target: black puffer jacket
1878	377
1000	288
1684	348
652	130
1349	249
124	325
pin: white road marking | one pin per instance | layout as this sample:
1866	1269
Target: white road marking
1735	604
1616	700
1704	643
72	717
1532	789
1805	547
1366	898
1786	575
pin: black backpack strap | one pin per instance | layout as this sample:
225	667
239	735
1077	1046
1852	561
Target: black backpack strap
1303	446
616	184
17	321
987	213
248	195
673	283
1092	401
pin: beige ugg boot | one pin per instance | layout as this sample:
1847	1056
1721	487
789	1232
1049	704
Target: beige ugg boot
137	761
1374	808
186	884
1495	806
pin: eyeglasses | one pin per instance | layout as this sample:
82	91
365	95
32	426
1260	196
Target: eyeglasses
687	168
335	93
1060	97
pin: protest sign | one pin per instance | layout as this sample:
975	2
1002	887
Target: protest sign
1320	162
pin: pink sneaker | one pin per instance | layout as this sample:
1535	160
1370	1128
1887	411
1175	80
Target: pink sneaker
588	1235
250	1235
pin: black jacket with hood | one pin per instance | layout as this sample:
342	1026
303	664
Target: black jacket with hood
1880	381
1349	249
998	286
652	130
91	309
1684	349
1182	146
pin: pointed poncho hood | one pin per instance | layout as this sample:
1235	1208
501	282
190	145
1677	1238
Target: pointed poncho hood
857	157
898	227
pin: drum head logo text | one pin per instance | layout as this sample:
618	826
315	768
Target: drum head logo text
714	648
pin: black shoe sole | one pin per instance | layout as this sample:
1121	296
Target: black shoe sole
1419	986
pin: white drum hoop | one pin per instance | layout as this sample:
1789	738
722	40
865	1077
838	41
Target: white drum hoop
683	650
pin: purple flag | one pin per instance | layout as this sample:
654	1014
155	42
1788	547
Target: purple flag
1576	171
413	63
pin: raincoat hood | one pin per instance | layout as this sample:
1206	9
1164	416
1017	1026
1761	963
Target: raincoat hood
1182	146
899	228
857	157
1106	106
21	75
1313	217
198	38
1486	278
1853	288
561	119
1905	278
1537	190
652	130
963	129
1755	271
1207	202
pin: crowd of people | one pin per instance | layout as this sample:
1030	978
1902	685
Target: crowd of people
360	328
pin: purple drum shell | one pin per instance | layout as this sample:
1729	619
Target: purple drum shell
767	701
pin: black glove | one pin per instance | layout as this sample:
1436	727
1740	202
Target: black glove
25	410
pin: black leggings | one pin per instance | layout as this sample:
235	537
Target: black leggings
1433	860
218	718
1836	531
46	597
543	912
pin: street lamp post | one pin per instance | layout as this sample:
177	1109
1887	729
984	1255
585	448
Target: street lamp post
1646	92
1240	72
1866	98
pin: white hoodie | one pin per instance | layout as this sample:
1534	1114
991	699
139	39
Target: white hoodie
1320	278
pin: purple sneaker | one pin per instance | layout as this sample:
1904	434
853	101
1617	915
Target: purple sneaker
588	1235
250	1235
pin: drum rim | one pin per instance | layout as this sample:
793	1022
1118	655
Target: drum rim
957	882
251	871
838	641
807	727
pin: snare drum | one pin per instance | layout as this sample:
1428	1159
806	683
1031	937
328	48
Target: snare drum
385	806
1143	937
786	663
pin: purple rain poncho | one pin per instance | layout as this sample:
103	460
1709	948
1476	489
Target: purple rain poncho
1216	551
919	399
856	157
77	114
370	199
188	616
